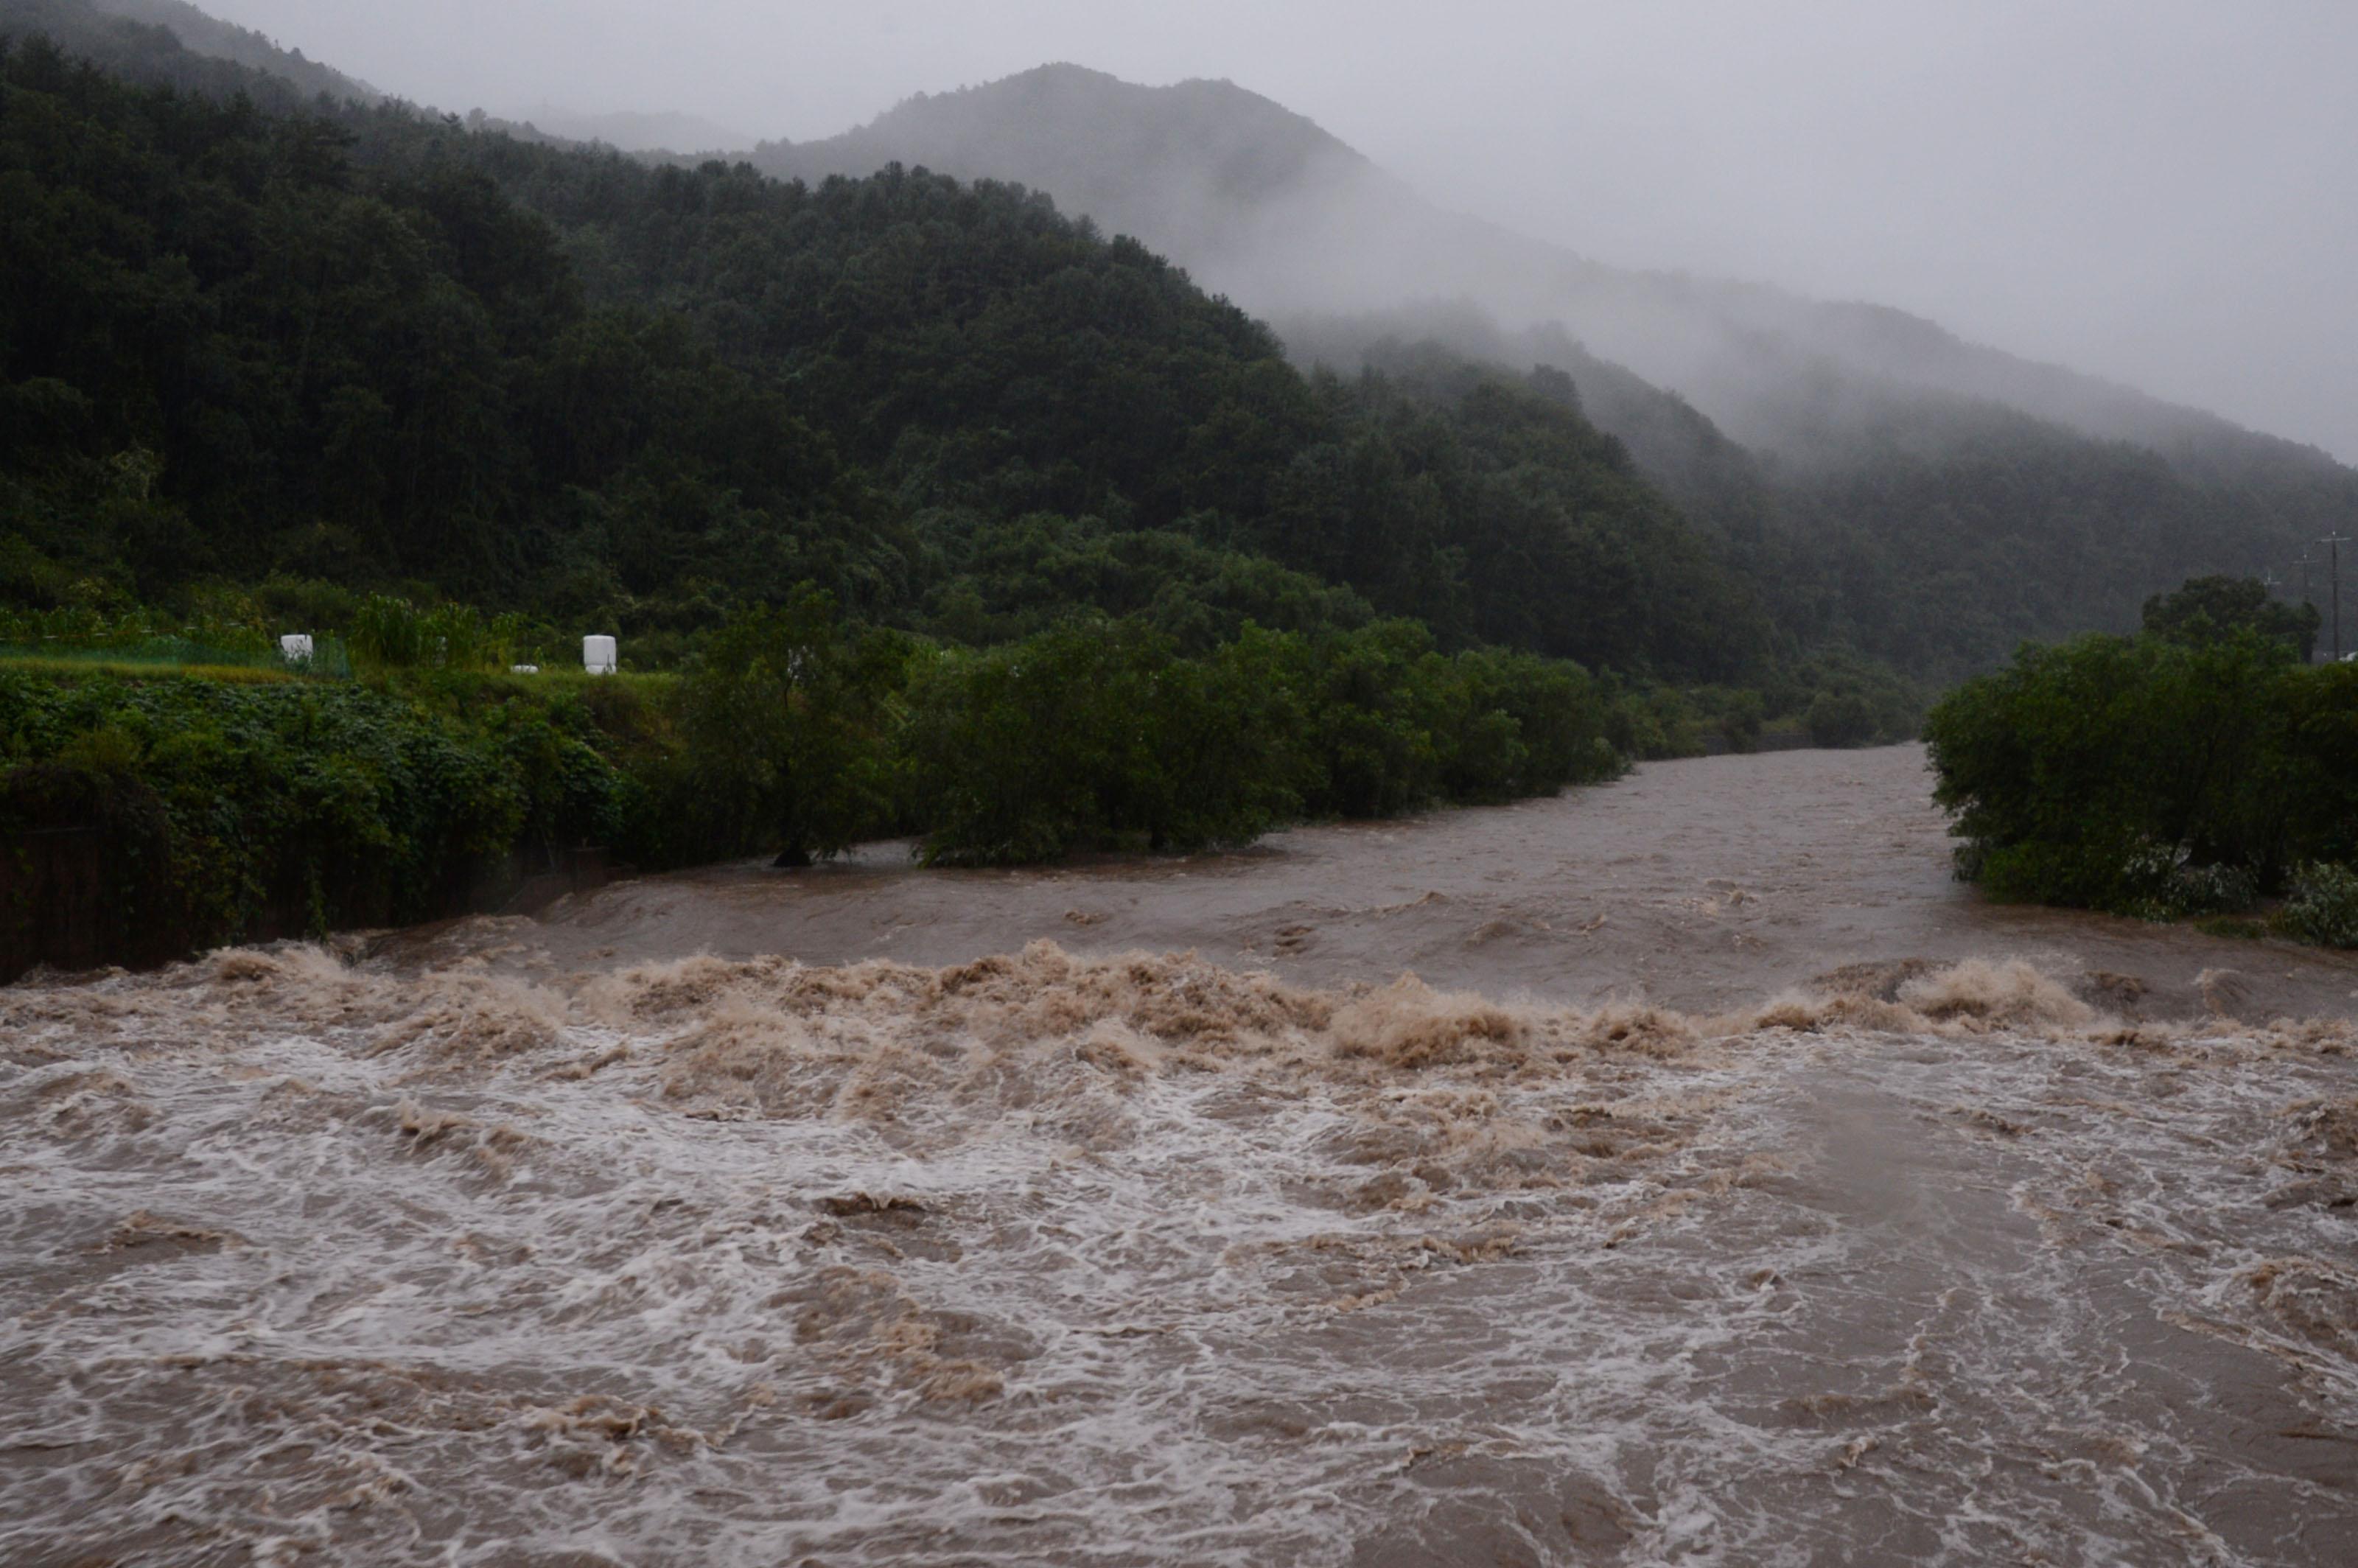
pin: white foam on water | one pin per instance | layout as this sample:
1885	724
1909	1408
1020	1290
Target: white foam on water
1138	1262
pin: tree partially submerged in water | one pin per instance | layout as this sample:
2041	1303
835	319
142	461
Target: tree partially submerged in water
1103	735
2153	775
789	726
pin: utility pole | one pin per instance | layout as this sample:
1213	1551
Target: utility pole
2334	543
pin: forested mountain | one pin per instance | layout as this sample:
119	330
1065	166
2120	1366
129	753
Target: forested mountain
1714	479
1265	205
642	133
365	345
1889	453
545	375
1944	532
1234	186
128	30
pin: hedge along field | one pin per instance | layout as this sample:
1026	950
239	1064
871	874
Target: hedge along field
243	808
302	805
2161	777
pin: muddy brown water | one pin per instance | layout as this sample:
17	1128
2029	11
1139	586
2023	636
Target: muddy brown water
1705	883
1727	1186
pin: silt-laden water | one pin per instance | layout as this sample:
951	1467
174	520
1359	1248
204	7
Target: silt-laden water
1731	1188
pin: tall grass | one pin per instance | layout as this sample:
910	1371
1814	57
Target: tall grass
387	632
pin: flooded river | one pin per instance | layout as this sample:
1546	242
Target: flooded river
1684	1171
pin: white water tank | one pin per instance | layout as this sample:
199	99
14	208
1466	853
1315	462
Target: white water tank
524	669
598	654
295	647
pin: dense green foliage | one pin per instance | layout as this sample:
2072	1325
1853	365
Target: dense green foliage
2323	907
2214	609
313	803
787	729
373	347
265	805
225	350
2151	776
1107	735
1931	534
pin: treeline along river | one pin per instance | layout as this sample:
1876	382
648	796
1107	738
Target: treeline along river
1686	1170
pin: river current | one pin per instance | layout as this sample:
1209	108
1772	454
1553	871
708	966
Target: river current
1685	1171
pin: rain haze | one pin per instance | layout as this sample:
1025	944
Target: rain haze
2156	193
1029	786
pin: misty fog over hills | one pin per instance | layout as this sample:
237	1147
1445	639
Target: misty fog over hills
1850	426
632	132
1880	485
1263	205
207	34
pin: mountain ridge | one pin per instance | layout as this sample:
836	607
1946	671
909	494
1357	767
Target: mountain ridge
1831	430
1366	240
1924	525
205	34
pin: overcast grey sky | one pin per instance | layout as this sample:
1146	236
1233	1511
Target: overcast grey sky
2163	191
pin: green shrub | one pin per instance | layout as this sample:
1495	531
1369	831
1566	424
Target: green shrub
310	806
389	634
2215	608
1100	733
2150	777
2323	907
1096	734
2157	881
789	724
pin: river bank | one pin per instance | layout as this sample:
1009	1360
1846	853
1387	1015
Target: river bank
1733	1188
1700	883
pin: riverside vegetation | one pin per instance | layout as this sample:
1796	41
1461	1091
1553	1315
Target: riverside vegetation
2199	768
920	508
230	795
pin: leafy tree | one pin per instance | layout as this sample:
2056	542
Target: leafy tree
2116	773
394	352
1096	735
2215	608
788	722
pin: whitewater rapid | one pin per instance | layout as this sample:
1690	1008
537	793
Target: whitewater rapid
312	1256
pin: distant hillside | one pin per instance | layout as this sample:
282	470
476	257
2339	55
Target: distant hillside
1264	205
209	36
1936	531
1025	420
1716	480
1846	429
634	133
1195	170
368	346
